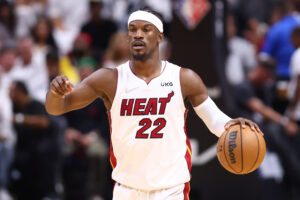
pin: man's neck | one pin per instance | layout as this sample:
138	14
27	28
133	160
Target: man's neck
146	69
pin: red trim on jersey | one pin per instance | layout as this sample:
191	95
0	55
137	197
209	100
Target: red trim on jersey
188	155
114	188
186	191
130	67
113	160
117	85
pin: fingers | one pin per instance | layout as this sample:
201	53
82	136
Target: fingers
244	123
68	83
61	86
233	122
254	126
230	123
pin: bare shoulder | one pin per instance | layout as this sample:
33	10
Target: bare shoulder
192	85
188	76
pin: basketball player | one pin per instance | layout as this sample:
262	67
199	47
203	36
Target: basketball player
145	98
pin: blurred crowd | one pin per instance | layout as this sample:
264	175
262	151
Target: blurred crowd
262	69
47	157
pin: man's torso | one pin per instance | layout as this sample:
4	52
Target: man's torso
149	144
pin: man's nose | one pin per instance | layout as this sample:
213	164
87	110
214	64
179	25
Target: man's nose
139	34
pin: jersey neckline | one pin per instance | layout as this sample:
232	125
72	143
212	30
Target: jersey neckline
162	71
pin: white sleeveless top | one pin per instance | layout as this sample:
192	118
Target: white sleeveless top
149	147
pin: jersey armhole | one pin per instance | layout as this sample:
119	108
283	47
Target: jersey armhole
117	90
180	88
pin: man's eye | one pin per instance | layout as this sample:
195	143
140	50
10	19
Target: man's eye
132	29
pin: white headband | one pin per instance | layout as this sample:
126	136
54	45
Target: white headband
146	16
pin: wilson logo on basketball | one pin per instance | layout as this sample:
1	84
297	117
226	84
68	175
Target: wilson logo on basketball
241	150
232	145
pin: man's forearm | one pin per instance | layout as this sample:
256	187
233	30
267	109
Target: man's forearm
55	104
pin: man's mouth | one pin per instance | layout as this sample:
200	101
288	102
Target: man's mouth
138	45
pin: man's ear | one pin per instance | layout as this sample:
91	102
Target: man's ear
160	37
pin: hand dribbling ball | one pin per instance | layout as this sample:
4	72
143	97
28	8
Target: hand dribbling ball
241	150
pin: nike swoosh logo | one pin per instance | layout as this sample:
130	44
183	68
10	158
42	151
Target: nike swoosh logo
128	90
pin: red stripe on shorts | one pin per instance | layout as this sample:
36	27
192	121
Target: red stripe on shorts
186	191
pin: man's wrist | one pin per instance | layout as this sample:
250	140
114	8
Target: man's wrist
56	94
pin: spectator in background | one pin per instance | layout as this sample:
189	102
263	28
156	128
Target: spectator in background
99	29
7	140
43	36
52	62
7	62
256	96
117	51
7	24
30	67
294	87
253	99
26	17
255	32
87	139
7	136
35	161
254	9
67	17
278	11
39	7
278	45
293	111
81	50
241	58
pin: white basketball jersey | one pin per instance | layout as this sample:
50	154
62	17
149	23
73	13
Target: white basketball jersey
149	146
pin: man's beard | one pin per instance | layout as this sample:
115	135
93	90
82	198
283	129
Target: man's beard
140	57
143	57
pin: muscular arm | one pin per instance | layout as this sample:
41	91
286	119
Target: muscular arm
61	98
194	90
216	121
192	87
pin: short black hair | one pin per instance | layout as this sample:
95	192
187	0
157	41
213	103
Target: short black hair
157	14
20	85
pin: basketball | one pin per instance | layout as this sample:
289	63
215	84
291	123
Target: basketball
241	150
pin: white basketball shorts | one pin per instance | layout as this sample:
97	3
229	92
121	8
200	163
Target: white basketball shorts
179	192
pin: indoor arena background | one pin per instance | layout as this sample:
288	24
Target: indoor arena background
67	157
